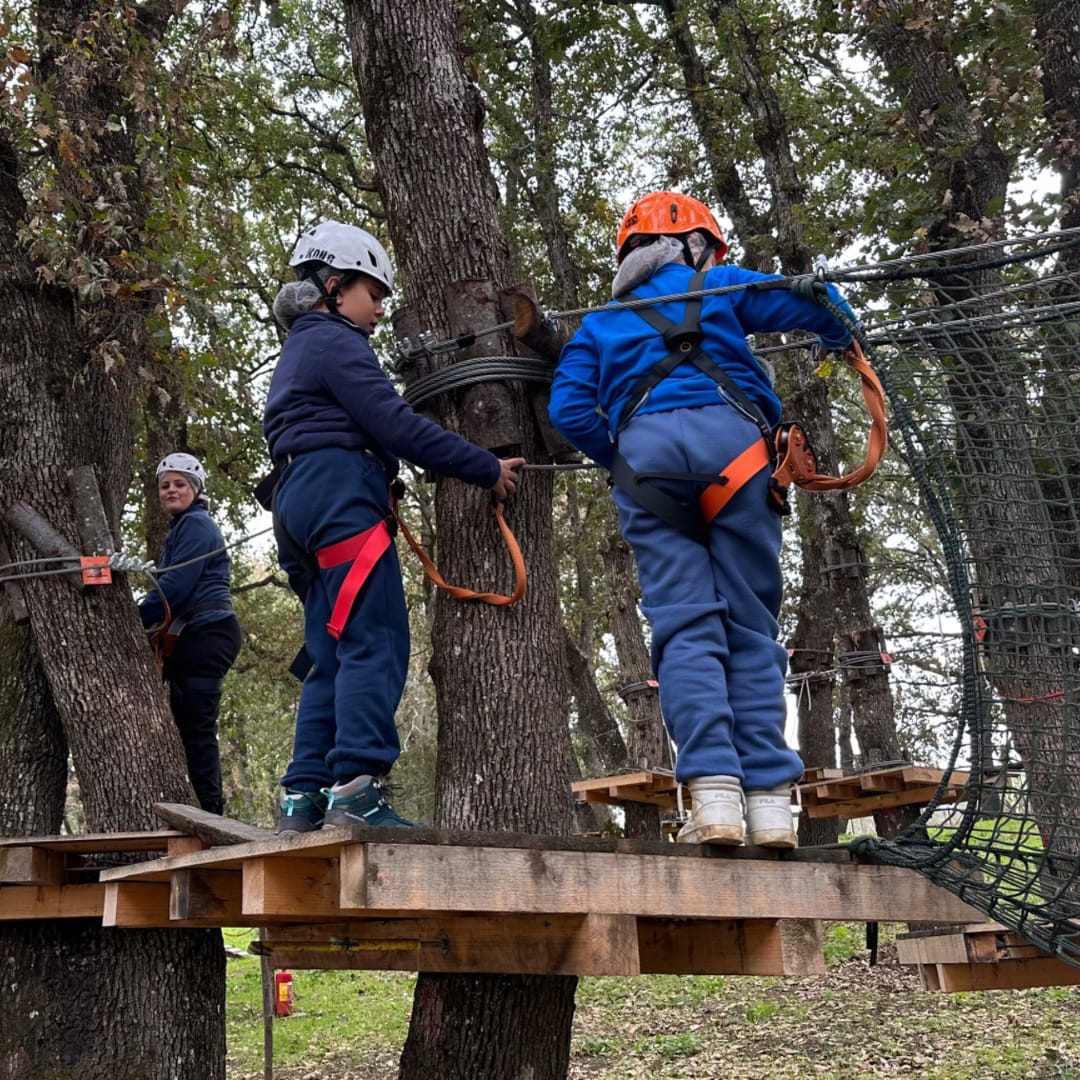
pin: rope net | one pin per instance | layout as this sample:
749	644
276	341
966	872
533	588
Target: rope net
979	594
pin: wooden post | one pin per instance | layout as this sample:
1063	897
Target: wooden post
268	1009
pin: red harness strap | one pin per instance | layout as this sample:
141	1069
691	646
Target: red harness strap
363	550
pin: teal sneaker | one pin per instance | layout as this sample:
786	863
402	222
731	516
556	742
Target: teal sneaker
301	811
363	801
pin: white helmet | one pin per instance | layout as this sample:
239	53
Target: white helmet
345	247
187	466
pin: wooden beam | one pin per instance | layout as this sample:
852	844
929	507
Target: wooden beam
136	904
96	843
295	887
730	947
184	845
212	828
19	902
867	805
31	866
208	896
325	843
1009	975
404	877
507	944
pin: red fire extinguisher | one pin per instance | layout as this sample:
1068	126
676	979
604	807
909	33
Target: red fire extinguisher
283	993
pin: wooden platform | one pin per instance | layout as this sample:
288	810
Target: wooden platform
824	792
424	900
982	956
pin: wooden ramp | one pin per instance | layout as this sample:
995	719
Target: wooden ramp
823	793
983	956
424	900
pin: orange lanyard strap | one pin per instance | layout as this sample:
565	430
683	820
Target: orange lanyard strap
797	462
457	591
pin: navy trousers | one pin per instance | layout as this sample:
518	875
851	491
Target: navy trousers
195	672
345	722
713	609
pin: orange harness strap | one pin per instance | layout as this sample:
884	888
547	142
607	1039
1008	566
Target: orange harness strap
797	464
746	466
364	550
457	591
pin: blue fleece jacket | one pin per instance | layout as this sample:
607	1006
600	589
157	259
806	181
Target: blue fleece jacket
613	349
328	390
202	586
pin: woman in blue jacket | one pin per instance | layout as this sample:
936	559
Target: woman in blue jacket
202	637
336	428
667	416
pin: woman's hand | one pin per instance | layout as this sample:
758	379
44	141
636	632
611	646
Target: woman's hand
507	483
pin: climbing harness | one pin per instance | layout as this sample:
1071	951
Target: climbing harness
786	449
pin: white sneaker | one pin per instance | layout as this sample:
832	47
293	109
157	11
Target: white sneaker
768	817
716	816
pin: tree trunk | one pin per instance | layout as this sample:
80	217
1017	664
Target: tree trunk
92	1003
503	732
648	746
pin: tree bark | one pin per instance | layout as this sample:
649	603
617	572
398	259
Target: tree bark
503	733
648	746
92	1003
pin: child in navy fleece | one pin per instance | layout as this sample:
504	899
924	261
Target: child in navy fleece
337	426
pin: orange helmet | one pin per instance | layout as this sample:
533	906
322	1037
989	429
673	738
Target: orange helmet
667	213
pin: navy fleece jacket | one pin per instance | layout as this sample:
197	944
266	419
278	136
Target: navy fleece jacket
202	586
328	390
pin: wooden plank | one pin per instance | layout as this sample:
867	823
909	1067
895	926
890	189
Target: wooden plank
212	828
401	877
730	947
31	866
325	843
210	896
185	845
811	776
866	806
19	902
938	949
136	904
97	843
621	780
506	944
296	887
1010	975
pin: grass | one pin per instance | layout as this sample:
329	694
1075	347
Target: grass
856	1023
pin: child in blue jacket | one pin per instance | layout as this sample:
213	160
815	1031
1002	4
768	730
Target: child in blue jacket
711	592
336	428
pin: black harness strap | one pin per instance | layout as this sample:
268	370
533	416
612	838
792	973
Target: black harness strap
683	341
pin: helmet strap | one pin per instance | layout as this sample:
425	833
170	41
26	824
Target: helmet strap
331	297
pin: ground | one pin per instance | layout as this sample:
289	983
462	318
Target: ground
855	1022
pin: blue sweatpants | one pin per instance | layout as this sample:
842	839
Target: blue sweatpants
713	610
345	722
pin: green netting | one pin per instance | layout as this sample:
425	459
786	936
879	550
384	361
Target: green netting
979	352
